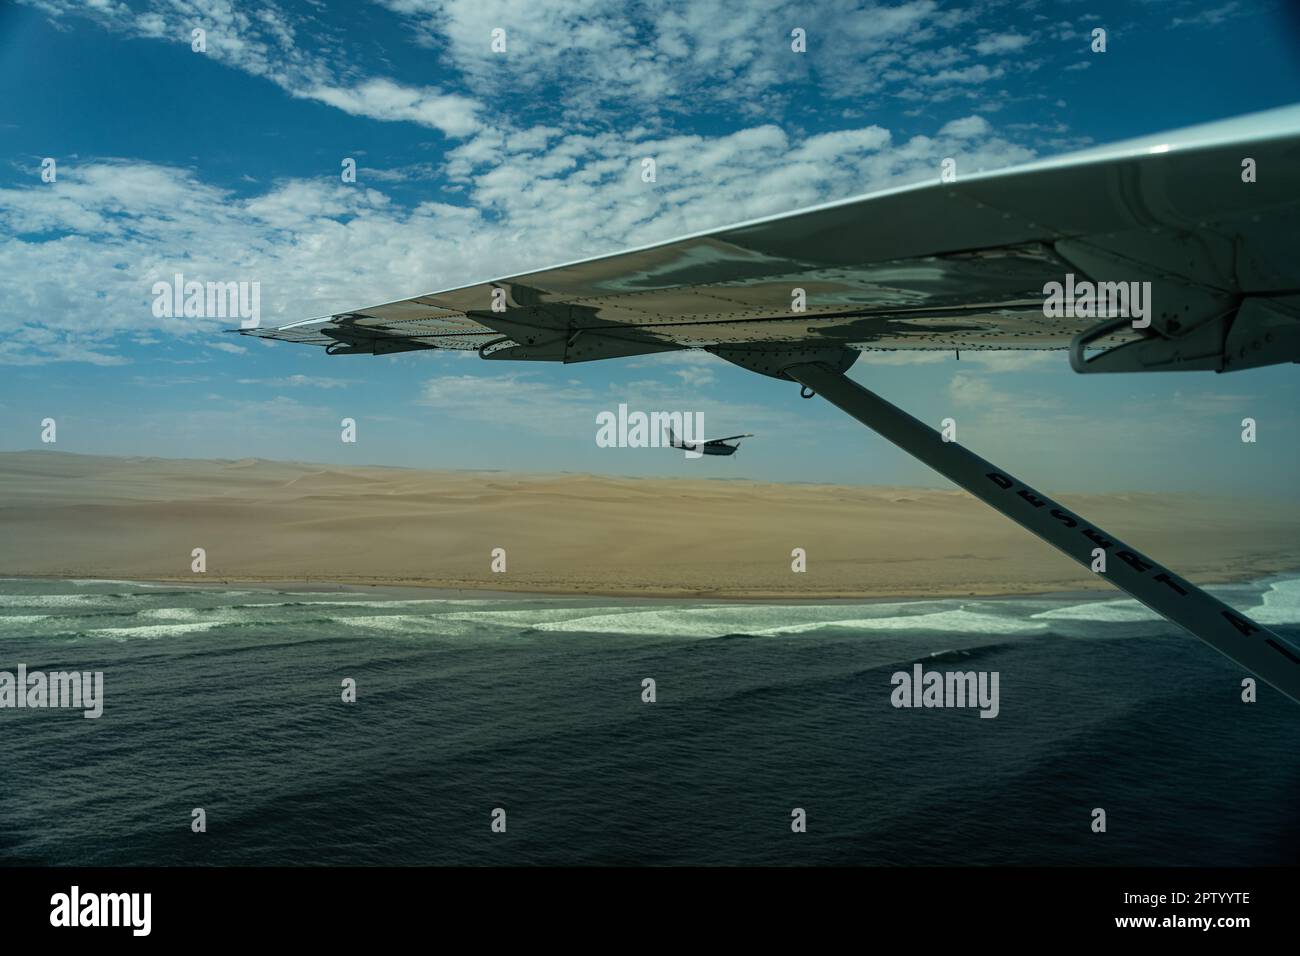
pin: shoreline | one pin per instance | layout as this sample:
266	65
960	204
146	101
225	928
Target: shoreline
461	589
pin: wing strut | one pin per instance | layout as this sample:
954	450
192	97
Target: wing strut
1229	632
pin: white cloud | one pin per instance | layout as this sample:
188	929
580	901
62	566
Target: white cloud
977	73
385	100
900	357
1211	404
695	377
107	230
985	360
1001	43
1211	17
264	42
966	128
298	381
972	391
582	52
1017	361
582	59
513	398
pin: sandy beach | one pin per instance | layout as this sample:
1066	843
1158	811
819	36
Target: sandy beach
83	516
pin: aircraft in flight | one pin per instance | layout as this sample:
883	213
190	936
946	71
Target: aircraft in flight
712	446
1188	238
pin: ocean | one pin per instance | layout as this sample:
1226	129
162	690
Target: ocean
229	699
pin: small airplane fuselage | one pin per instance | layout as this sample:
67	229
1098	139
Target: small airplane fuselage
715	446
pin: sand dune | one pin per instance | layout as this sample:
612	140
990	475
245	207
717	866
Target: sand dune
88	516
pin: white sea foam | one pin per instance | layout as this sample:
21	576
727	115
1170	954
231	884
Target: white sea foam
90	582
178	613
409	625
771	620
56	600
1120	611
364	602
1281	603
955	621
153	630
454	617
536	617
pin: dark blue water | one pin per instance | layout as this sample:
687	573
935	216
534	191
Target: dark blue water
229	700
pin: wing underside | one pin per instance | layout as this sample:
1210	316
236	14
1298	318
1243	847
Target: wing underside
958	265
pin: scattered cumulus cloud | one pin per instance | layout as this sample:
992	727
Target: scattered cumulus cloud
111	229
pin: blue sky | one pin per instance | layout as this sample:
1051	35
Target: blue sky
224	165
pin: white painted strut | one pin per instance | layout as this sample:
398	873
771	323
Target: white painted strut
1229	632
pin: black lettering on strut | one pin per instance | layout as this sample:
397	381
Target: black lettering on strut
1031	497
1097	538
1278	647
1164	578
1240	623
1061	516
1133	561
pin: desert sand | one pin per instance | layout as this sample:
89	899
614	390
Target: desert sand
64	515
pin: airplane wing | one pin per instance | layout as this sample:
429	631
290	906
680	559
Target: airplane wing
1209	217
940	265
713	441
